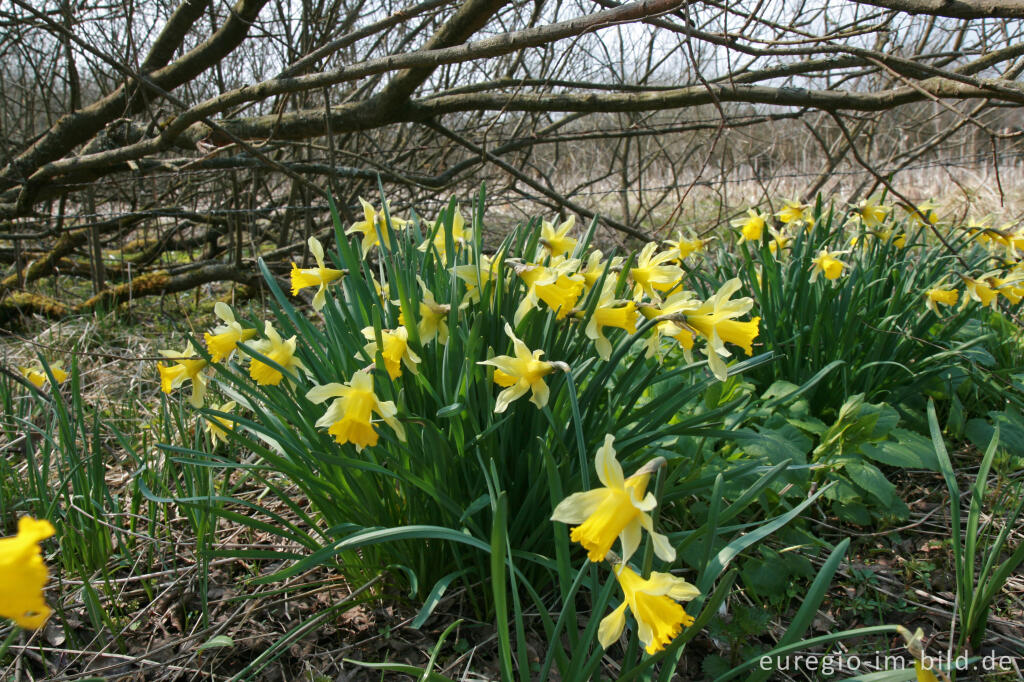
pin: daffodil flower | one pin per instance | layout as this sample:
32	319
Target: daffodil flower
778	242
610	312
477	276
826	263
558	285
226	337
684	247
320	276
923	212
23	574
280	351
433	323
37	375
871	214
752	226
396	350
349	418
940	294
218	427
595	267
460	236
794	212
979	290
651	275
715	320
556	242
654	604
186	368
618	510
373	221
923	664
520	373
1008	287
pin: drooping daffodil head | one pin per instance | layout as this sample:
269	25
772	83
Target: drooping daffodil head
23	574
224	339
319	277
556	241
349	417
187	367
279	351
654	603
618	510
520	373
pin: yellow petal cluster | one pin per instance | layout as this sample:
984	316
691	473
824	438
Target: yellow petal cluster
319	277
654	272
395	349
654	603
187	367
518	374
556	241
826	263
374	226
37	375
280	351
23	574
349	417
619	510
752	226
224	339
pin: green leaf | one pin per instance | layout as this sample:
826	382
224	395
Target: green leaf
1011	431
871	479
216	643
909	451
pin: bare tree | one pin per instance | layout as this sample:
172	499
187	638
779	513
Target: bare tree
132	130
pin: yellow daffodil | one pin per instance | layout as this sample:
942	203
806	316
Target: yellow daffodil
373	221
922	213
226	337
870	213
38	376
940	294
558	285
320	276
979	290
752	226
923	664
794	212
187	367
618	510
476	276
557	242
654	604
218	427
715	320
395	352
778	242
349	418
460	236
654	273
520	373
610	313
23	574
826	263
686	247
595	267
280	351
1009	287
433	322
